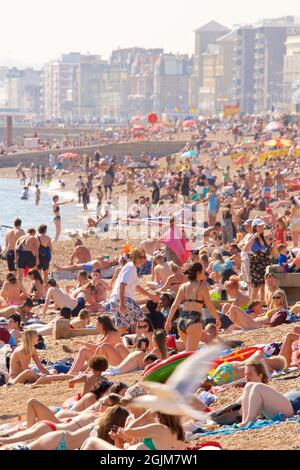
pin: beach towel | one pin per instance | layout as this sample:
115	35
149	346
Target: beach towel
175	242
259	424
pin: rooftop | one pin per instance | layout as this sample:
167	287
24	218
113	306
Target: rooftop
212	27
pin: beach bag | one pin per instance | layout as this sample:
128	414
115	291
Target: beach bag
41	344
278	318
227	415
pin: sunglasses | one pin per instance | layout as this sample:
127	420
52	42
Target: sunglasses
277	297
143	326
142	257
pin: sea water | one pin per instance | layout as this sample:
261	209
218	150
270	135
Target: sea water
12	206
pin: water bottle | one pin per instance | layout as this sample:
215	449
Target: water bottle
20	424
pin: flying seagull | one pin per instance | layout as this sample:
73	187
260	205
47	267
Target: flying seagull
174	397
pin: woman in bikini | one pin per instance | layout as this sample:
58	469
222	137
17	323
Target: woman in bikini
12	292
174	281
243	320
235	295
19	371
114	417
56	212
75	428
165	433
110	336
38	291
192	295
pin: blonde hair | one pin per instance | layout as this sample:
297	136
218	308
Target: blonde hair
27	340
217	255
277	362
281	293
174	267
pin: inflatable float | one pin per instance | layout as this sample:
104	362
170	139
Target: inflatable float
162	371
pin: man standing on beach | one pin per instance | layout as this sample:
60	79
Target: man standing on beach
10	243
124	309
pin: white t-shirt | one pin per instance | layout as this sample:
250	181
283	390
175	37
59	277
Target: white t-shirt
128	275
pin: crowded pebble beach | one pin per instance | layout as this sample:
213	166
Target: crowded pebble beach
179	287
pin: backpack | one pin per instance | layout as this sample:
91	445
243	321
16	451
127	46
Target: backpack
227	415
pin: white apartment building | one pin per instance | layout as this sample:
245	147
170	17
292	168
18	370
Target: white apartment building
291	74
58	86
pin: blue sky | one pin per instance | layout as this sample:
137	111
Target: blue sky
33	31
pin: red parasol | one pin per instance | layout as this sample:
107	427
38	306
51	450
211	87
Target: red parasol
152	118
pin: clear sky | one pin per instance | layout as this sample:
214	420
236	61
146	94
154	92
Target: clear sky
33	31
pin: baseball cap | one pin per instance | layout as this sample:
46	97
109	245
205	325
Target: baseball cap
257	222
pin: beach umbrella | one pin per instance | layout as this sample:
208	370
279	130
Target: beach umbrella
109	129
188	118
152	118
189	123
189	154
278	143
274	126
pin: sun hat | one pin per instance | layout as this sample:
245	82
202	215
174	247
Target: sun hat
257	222
248	222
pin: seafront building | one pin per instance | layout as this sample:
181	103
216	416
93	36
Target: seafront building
250	69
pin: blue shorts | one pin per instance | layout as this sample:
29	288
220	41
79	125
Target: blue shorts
80	306
88	268
294	398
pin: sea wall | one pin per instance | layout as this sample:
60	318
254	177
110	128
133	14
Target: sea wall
152	148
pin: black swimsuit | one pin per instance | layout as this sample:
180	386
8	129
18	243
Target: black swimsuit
56	211
188	318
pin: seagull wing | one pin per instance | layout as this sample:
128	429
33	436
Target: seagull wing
192	371
160	390
170	407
